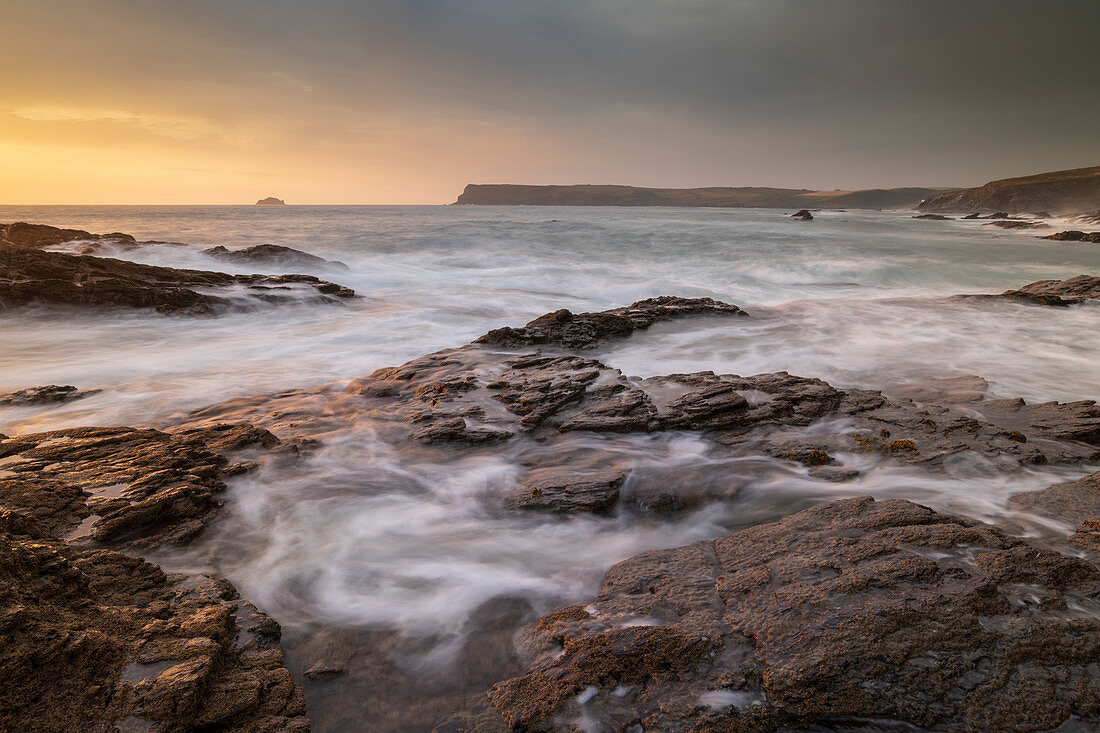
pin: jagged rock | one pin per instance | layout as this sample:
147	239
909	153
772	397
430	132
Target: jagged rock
1075	236
854	610
136	487
585	330
99	640
803	214
48	394
29	276
1051	292
272	254
37	236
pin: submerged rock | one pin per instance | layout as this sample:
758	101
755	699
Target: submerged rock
853	610
934	217
1075	236
803	214
1015	224
34	276
49	394
1073	502
271	254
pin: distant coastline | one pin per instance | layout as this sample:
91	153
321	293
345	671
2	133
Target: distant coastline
741	197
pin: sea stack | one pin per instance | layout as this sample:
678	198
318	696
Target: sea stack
271	201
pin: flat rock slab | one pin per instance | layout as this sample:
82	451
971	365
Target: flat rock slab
1073	502
569	493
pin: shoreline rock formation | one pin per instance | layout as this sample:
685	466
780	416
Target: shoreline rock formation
97	638
1069	192
851	610
29	275
1075	236
272	254
1059	293
855	610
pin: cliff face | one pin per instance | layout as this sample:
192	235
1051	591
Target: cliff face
778	198
1061	193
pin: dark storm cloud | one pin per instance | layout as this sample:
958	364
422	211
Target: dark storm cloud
860	92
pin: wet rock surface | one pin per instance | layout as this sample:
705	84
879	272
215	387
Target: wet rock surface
1071	291
272	254
934	217
37	236
1074	235
45	395
29	275
97	639
848	611
586	330
803	214
1016	224
1073	502
853	610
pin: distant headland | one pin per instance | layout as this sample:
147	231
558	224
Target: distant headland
1061	193
743	197
271	201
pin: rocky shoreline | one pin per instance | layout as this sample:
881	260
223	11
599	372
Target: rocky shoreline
853	614
32	274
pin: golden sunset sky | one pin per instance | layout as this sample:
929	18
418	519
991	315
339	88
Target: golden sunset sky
391	101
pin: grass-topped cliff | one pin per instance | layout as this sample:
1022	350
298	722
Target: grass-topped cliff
1069	192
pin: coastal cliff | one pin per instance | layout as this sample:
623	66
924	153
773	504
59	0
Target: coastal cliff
1068	192
743	197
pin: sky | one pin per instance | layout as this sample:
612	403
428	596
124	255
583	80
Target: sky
407	101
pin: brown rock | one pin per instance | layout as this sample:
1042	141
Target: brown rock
585	330
1075	236
1073	502
30	275
565	493
853	610
49	394
272	254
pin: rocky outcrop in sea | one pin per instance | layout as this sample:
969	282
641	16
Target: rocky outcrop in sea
849	611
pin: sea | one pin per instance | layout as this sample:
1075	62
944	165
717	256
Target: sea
362	540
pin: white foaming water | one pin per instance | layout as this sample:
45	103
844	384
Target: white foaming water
363	534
